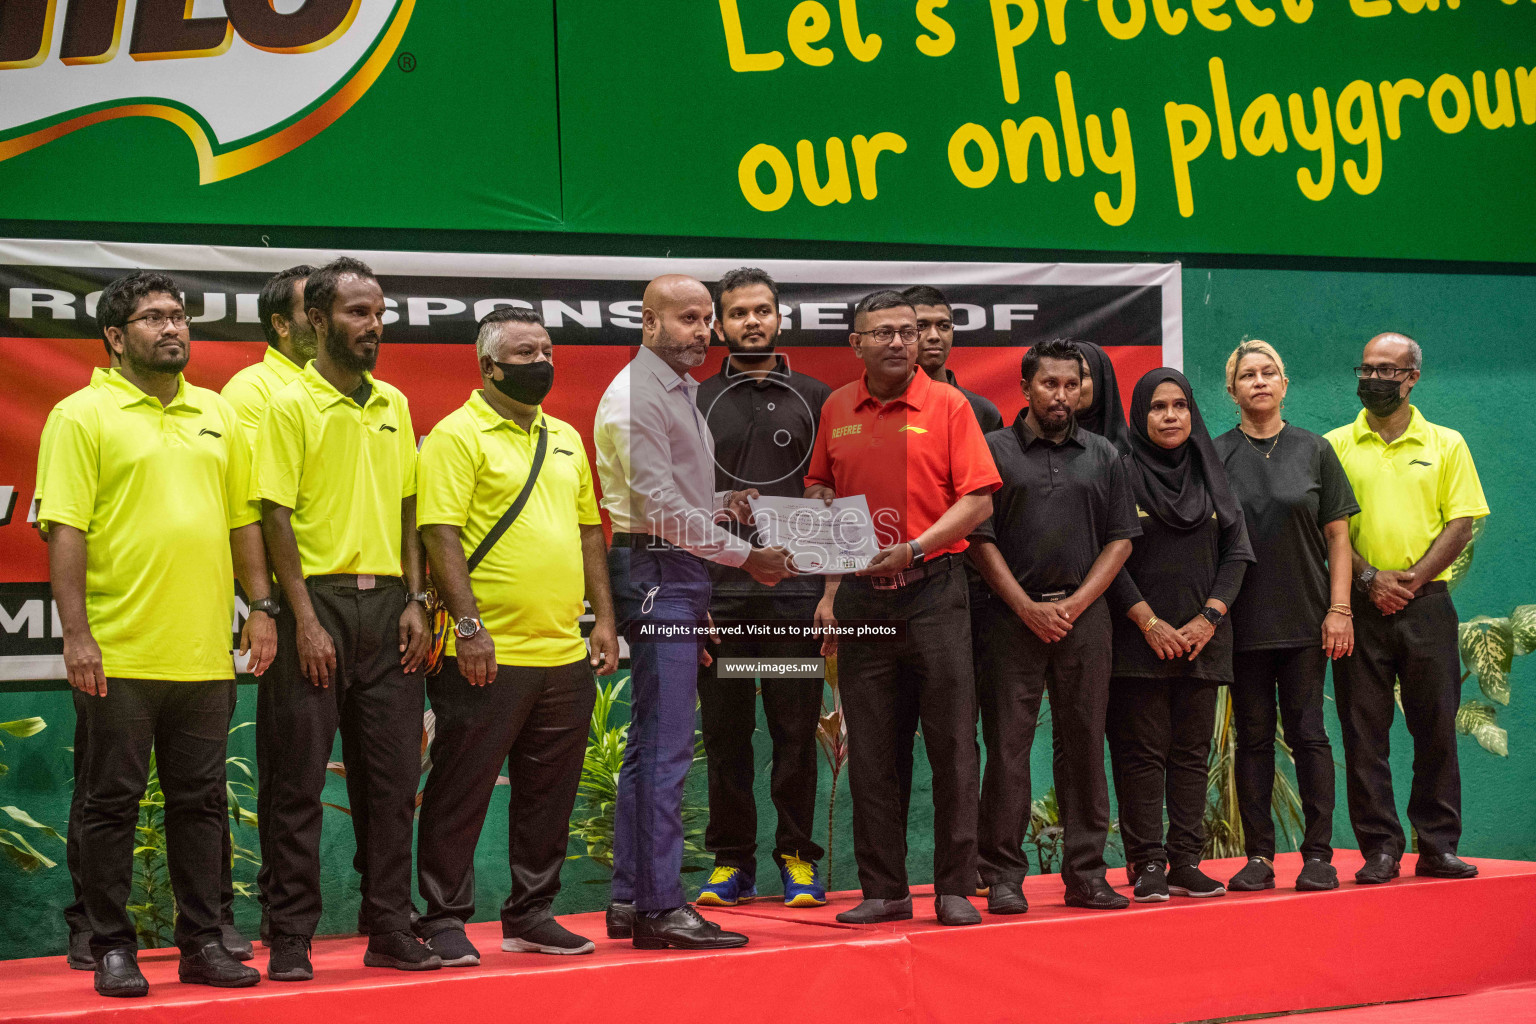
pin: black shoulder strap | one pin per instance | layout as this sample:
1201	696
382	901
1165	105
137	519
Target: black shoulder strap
510	515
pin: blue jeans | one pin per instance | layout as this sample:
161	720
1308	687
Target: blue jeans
659	586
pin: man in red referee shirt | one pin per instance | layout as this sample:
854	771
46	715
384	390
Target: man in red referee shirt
912	447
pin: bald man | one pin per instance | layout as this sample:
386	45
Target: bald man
655	458
1419	495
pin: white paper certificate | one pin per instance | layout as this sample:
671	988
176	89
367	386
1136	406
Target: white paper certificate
821	538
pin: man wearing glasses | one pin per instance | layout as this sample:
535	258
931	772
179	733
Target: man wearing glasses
1419	493
912	447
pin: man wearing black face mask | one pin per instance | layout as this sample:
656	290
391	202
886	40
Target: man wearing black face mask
1419	493
510	523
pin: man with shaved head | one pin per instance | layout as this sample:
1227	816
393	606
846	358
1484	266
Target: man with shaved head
655	457
1419	494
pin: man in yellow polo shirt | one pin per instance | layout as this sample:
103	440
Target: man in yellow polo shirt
146	505
514	539
335	470
1419	493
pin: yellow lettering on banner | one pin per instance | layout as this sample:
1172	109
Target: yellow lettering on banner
1056	19
1069	136
1297	10
1415	6
867	151
1128	29
1223	104
941	35
1214	22
837	189
1171	22
783	177
864	48
1370	8
1446	122
1319	139
1392	97
736	47
1009	37
809	23
1184	149
1355	131
1260	16
1016	142
1525	88
1122	162
1271	137
1504	115
966	175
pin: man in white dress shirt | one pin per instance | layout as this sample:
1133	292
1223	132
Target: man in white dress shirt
655	458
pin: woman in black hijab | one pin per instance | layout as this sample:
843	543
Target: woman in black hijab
1173	645
1101	412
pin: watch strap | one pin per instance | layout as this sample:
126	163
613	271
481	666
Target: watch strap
917	552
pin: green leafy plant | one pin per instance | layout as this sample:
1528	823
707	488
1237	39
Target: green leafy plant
15	844
1488	648
832	737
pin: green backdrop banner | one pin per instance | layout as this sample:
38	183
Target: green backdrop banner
1389	128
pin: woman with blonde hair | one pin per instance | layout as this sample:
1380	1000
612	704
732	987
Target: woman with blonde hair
1293	613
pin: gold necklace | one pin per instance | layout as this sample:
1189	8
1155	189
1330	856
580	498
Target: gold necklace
1256	448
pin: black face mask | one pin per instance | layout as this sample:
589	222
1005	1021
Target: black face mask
527	383
1379	396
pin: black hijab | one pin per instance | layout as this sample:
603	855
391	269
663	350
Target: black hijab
1106	415
1180	486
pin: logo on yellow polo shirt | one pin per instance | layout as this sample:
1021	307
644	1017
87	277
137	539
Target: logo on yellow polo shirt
915	430
852	428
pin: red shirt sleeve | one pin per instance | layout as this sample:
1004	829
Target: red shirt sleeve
970	459
819	470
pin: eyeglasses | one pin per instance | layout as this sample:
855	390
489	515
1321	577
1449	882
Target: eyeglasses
1385	372
884	335
157	321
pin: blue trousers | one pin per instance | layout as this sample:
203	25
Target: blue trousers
656	586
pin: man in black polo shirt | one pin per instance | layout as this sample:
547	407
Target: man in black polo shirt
936	327
1061	527
763	417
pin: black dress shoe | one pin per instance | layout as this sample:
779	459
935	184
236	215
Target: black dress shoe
956	910
683	928
1007	898
117	973
620	919
1096	894
79	957
238	945
213	965
1379	868
878	912
1443	865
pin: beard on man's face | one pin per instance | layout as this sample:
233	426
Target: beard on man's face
303	339
753	344
339	348
688	352
155	359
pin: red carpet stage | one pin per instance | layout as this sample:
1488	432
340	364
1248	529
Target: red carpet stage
1414	939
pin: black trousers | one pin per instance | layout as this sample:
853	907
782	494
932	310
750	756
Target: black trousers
536	721
376	698
1295	674
187	726
888	689
1160	746
1417	647
1016	670
792	708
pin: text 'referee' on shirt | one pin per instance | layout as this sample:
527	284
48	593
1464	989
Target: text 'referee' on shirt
1058	506
156	490
656	461
529	587
1287	499
912	457
249	390
342	468
1408	490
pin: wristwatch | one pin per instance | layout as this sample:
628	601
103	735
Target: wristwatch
422	598
917	552
268	605
1363	581
1211	615
467	627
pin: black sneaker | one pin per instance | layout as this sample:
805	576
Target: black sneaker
214	965
453	947
548	936
400	950
1151	884
1317	875
289	960
238	945
1189	880
1257	875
